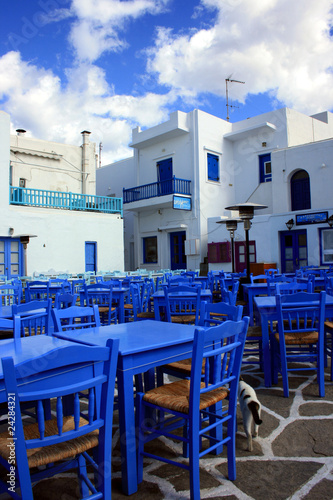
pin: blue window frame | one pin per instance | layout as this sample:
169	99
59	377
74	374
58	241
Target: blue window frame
150	250
213	168
326	246
265	168
300	191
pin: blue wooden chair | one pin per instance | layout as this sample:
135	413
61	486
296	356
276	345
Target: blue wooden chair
37	290
211	314
63	300
10	294
34	318
182	304
141	302
101	295
52	446
75	318
299	337
187	403
77	285
6	328
294	287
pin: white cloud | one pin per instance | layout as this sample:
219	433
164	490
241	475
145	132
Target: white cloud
36	101
278	46
99	21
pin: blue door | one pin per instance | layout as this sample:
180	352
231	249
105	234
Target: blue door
294	250
11	258
177	250
164	174
90	256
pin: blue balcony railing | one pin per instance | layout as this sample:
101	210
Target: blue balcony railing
171	186
65	201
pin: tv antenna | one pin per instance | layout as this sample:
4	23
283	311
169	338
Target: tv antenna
226	93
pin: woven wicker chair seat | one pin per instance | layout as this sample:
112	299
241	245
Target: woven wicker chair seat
183	319
53	453
128	306
146	315
328	324
184	366
175	396
105	309
298	338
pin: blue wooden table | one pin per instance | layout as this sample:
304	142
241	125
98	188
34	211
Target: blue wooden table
27	348
143	345
267	310
159	299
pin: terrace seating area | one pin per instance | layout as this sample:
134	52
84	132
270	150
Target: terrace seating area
165	320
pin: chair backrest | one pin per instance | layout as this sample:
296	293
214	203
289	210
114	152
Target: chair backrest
293	287
273	280
37	290
10	294
98	293
259	278
146	293
7	327
77	285
63	300
227	295
221	361
176	280
302	312
75	318
34	318
70	372
182	301
215	313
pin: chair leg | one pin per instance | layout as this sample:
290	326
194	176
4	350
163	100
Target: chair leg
139	416
194	445
82	472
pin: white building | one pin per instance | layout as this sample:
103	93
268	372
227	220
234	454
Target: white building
185	171
48	192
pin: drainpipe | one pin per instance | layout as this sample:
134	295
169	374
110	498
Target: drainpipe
85	159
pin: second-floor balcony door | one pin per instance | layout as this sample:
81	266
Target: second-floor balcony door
164	176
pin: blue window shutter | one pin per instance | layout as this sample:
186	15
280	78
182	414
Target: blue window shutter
213	167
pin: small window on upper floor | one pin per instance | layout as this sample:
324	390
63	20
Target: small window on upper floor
213	167
265	168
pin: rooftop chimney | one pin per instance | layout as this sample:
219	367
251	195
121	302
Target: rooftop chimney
20	131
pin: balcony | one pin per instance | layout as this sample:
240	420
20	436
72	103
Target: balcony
65	201
157	189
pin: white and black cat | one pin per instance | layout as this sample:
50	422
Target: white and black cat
251	411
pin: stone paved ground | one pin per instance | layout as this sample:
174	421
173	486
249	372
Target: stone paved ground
292	458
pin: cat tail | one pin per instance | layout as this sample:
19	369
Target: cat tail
254	407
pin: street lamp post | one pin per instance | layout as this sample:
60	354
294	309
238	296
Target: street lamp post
246	213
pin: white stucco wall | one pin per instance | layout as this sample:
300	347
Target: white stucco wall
60	234
66	166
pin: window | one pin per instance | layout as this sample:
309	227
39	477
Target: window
265	168
22	183
326	243
150	250
300	191
219	252
213	169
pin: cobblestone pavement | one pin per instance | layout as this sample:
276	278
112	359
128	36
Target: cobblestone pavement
291	459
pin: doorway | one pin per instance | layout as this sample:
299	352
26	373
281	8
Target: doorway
91	256
294	250
11	258
240	255
177	250
164	174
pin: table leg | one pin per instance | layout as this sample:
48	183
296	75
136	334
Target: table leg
157	310
127	431
266	351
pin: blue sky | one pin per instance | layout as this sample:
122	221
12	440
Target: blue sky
110	65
